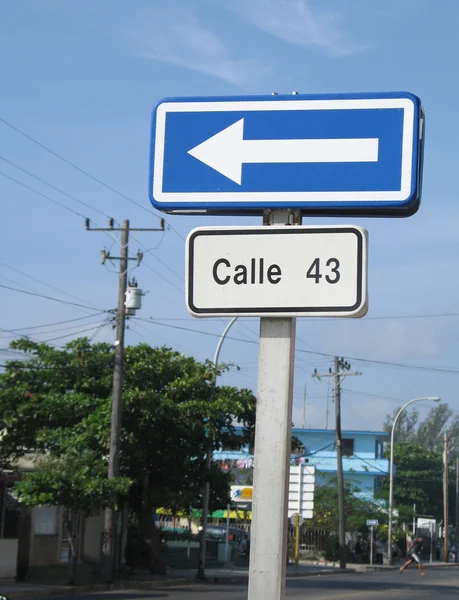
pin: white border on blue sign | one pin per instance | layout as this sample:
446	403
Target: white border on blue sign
400	195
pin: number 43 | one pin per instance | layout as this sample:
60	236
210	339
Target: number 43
333	275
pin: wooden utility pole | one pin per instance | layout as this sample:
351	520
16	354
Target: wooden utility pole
457	509
339	470
304	407
118	379
341	369
108	548
445	497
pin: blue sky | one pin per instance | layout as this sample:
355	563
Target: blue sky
82	78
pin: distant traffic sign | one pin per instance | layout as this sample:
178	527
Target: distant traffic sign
372	523
300	520
276	271
330	154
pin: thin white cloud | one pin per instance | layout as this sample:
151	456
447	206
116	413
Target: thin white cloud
296	22
178	35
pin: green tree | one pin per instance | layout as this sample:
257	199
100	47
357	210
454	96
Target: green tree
56	405
406	427
418	480
357	508
428	433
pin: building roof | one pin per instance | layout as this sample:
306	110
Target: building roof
343	432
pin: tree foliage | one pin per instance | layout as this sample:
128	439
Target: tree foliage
56	405
418	457
357	508
428	433
418	481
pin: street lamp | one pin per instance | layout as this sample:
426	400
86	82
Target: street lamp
391	470
205	504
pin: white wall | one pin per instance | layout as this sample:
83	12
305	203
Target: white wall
8	557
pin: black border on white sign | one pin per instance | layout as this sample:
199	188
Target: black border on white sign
275	231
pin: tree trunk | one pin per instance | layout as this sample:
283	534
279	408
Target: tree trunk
75	531
150	532
71	525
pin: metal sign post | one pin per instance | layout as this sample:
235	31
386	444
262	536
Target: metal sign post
268	547
296	520
371	545
431	540
297	539
372	523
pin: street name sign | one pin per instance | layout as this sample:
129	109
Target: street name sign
372	523
301	491
277	271
357	154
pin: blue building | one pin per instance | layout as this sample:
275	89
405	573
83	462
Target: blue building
364	464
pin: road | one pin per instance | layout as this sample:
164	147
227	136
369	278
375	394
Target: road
439	583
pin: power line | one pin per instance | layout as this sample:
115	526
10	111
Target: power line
405	365
420	316
7	287
73	165
53	200
149	251
60	337
386	363
164	278
83	203
42	195
53	187
50	331
53	287
370	465
218	335
48	324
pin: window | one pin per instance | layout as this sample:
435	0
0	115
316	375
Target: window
379	449
377	486
45	520
347	447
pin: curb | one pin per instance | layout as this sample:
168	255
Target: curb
192	581
157	584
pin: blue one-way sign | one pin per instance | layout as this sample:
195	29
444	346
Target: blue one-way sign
335	154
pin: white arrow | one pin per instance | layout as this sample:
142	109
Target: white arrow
227	151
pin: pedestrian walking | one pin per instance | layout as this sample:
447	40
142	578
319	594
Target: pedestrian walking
414	556
379	552
352	551
437	550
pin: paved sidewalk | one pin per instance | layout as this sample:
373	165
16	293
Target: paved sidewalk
176	577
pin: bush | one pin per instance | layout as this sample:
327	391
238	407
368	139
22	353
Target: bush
331	548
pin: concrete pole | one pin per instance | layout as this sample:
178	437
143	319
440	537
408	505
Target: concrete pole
272	450
268	548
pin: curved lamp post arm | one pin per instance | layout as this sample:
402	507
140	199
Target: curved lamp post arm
391	470
206	494
222	339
